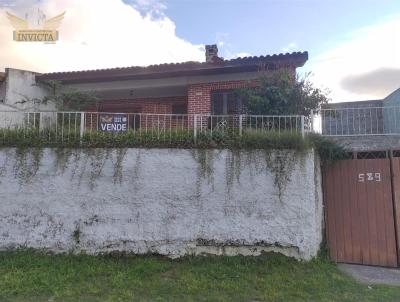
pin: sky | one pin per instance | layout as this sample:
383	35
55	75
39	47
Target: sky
353	46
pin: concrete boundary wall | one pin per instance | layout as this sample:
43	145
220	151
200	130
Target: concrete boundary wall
172	202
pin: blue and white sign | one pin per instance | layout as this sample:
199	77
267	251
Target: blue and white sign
113	122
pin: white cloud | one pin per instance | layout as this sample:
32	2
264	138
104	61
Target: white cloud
290	47
97	34
374	50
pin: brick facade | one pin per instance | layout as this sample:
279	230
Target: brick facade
148	106
199	95
197	101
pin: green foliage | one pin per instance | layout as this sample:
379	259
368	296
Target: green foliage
282	93
32	276
66	98
147	139
328	150
272	140
38	138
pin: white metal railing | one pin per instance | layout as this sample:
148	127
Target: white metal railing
360	121
63	125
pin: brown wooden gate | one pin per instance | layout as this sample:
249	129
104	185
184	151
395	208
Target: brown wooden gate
360	217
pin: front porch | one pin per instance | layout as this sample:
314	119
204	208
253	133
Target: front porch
170	107
208	98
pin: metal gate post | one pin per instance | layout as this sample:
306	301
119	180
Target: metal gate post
195	127
240	124
302	126
82	126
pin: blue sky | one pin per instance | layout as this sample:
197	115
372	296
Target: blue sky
270	26
353	45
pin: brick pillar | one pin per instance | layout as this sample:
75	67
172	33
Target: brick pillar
199	99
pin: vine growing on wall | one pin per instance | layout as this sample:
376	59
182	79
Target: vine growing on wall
27	164
62	158
7	158
88	165
205	167
281	164
95	159
118	165
84	164
233	165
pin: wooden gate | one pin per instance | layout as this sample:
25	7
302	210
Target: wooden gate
359	211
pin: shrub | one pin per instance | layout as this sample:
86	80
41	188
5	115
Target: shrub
250	139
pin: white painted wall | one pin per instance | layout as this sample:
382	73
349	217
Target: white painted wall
21	84
167	201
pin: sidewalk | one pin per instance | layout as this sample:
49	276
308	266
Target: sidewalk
372	274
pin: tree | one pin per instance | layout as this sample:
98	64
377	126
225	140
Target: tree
281	93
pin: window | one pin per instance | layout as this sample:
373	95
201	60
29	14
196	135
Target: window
225	103
179	109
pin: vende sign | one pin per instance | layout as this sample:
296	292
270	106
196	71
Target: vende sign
113	122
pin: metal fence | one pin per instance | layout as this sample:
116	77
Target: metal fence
328	122
64	125
359	121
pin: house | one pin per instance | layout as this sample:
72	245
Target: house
189	87
352	118
183	88
372	117
371	126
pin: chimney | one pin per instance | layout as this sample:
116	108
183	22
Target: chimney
211	53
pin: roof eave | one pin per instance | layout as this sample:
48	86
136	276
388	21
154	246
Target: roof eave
238	66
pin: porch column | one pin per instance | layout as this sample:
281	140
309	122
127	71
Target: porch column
199	99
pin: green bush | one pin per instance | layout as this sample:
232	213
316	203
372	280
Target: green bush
250	139
328	150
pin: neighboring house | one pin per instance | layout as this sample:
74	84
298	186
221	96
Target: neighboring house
19	92
373	117
391	115
351	118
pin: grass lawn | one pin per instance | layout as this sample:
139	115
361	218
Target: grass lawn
30	276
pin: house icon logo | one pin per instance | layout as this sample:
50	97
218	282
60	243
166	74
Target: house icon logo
35	27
